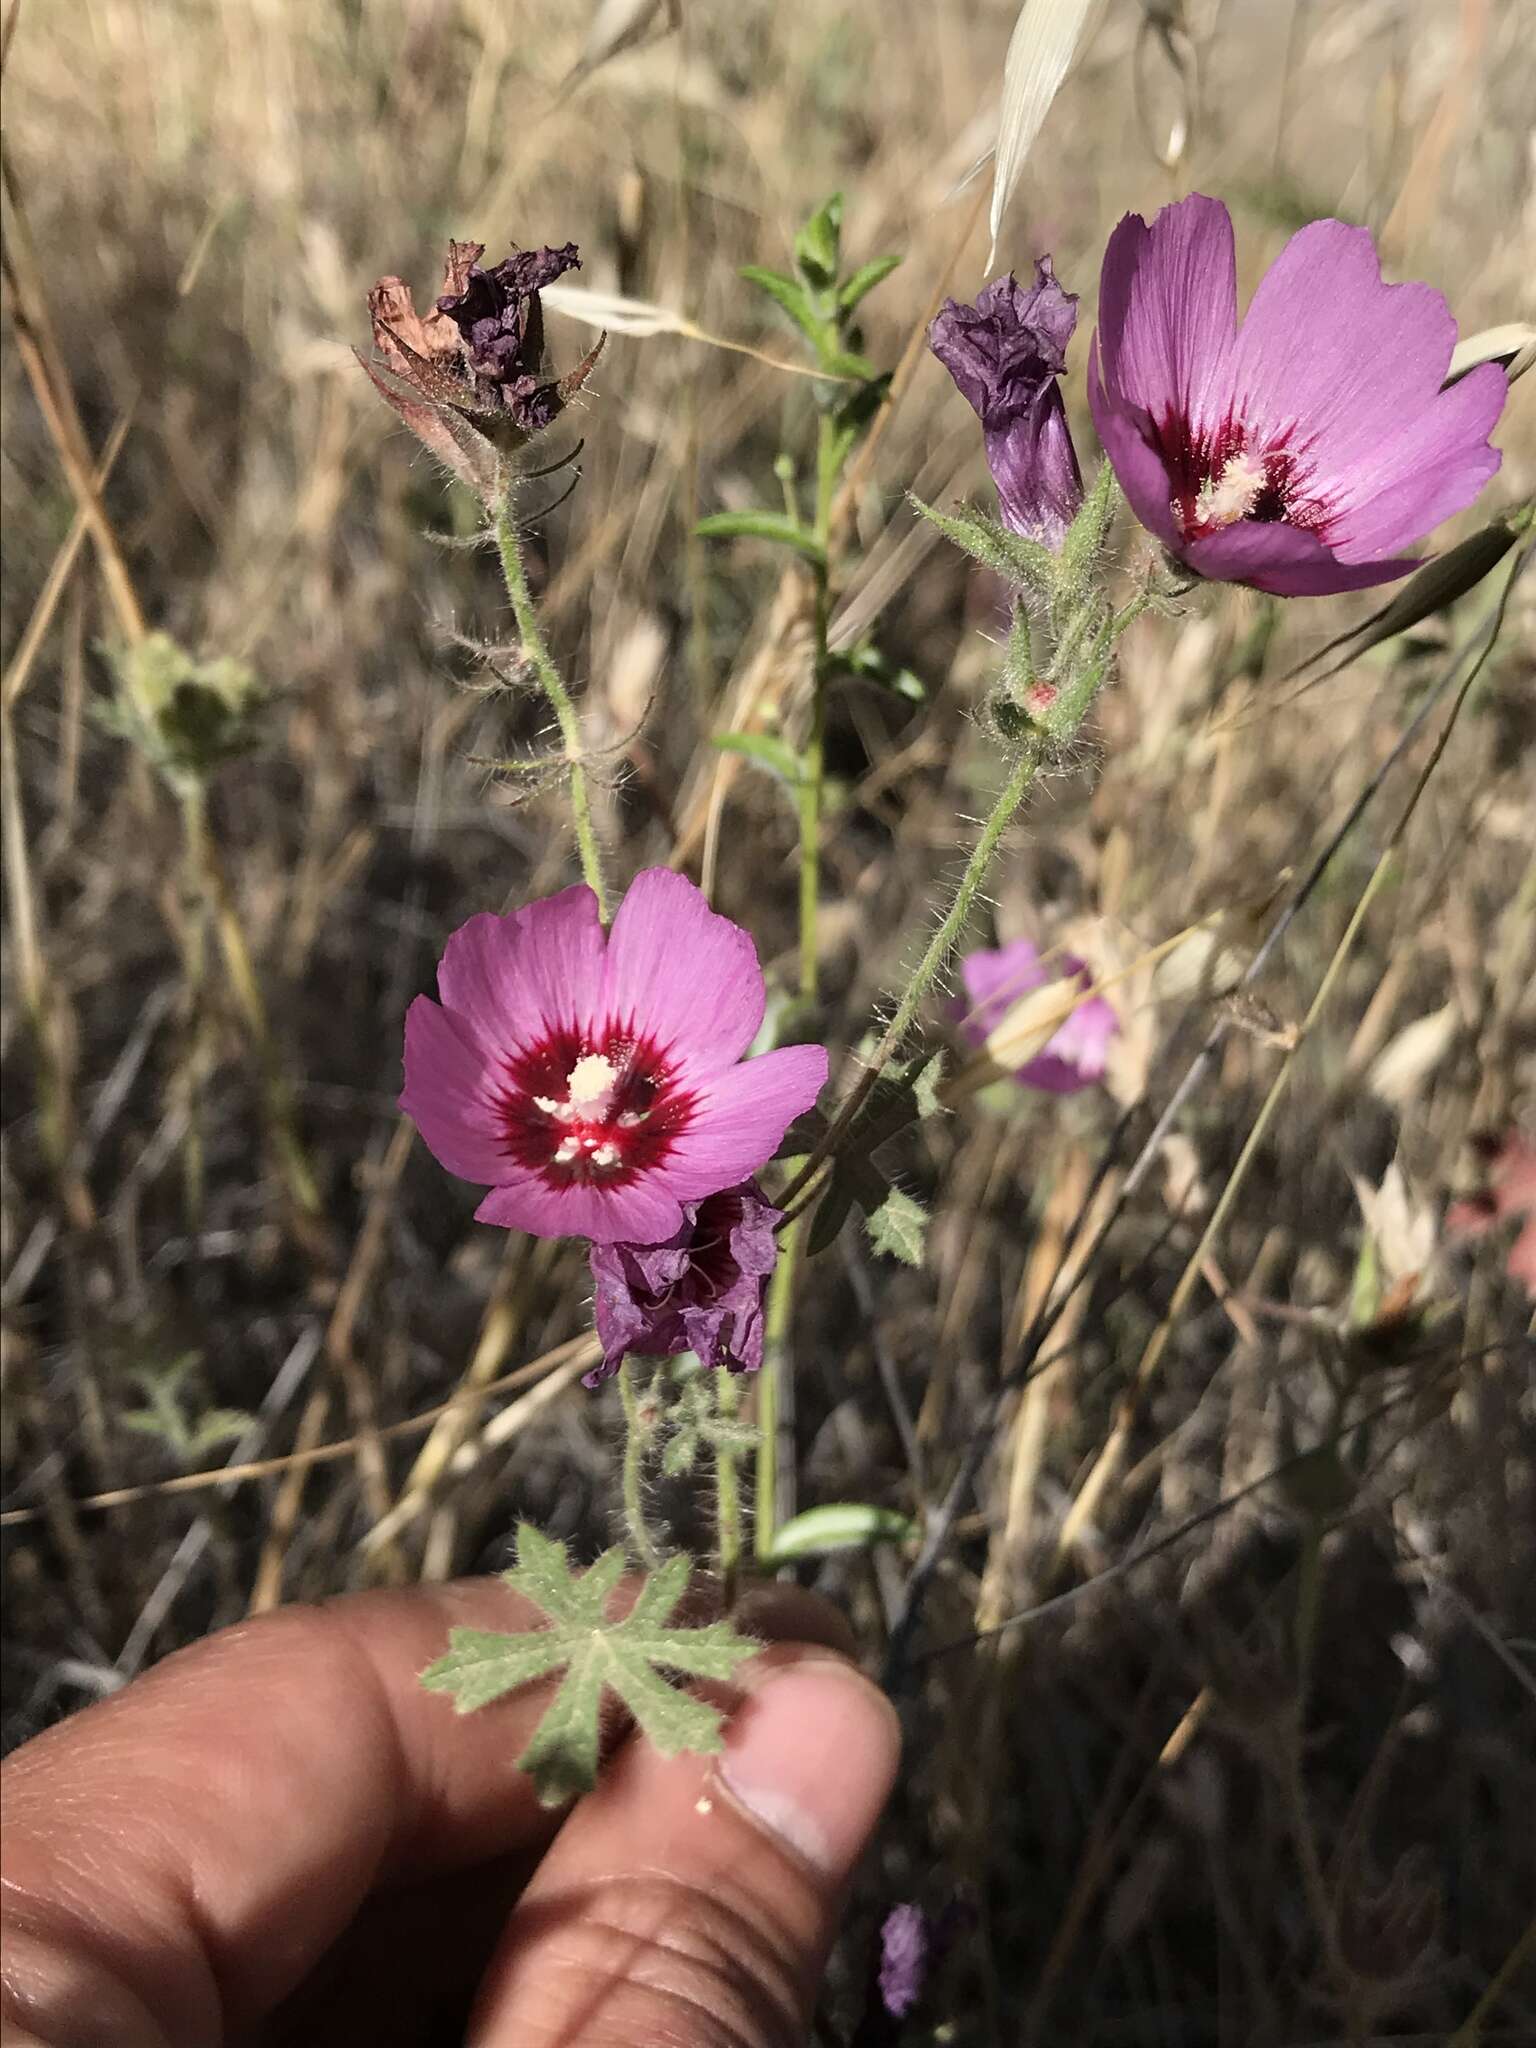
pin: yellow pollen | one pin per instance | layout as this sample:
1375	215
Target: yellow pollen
591	1078
1231	496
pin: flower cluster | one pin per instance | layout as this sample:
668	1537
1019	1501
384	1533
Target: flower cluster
1299	451
595	1083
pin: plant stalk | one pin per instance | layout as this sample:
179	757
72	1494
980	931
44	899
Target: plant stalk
727	1488
552	684
640	1539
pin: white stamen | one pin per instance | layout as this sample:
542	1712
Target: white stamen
547	1103
1223	500
606	1155
566	1151
632	1119
591	1078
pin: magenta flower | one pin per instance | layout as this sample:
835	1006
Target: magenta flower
700	1291
1300	451
595	1082
1075	1054
1005	353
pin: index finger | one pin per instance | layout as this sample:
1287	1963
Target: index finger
177	1857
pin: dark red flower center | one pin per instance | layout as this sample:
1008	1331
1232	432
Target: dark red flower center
592	1108
1221	477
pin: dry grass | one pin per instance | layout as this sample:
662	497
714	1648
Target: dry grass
1197	1781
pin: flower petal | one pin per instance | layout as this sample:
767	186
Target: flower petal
1287	561
994	981
739	1118
642	1212
514	979
446	1096
1329	352
1167	311
684	975
1128	440
1435	467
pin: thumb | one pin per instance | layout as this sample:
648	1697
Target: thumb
693	1900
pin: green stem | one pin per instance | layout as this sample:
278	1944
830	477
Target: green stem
812	763
727	1488
813	759
553	685
938	951
1057	726
780	1309
640	1538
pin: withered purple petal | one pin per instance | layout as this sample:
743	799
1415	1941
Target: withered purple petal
479	351
700	1291
1005	354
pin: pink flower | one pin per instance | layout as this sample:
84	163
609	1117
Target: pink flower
700	1291
594	1081
1300	451
1074	1056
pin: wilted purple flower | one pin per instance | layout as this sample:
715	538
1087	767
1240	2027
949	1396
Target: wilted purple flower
595	1081
473	368
1005	353
501	324
701	1291
995	981
904	1959
1298	452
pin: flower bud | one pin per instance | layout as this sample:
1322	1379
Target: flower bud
1005	353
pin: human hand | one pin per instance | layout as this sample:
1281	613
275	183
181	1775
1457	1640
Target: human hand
278	1837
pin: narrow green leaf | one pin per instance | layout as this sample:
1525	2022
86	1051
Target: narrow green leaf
841	1525
790	297
899	1227
864	280
844	362
818	246
774	526
767	750
1013	555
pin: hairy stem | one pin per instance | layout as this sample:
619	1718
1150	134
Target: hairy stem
780	1309
727	1488
938	950
553	685
640	1539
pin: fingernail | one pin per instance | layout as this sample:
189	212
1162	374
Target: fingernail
811	1755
